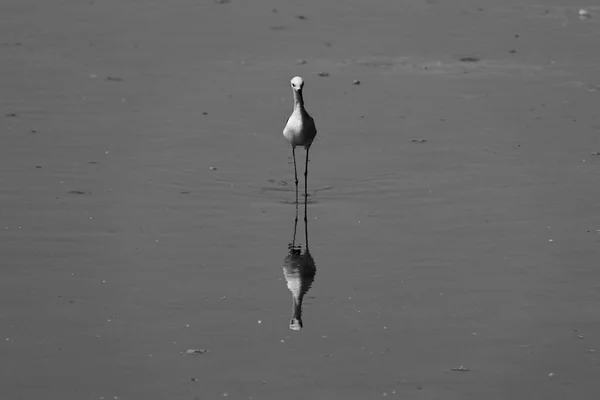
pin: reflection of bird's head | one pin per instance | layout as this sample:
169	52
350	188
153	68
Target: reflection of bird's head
297	83
295	324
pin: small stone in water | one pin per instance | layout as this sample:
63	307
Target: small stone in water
469	59
460	369
584	13
192	352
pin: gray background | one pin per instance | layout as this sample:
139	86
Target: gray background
121	247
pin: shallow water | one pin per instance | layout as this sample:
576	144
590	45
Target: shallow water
147	200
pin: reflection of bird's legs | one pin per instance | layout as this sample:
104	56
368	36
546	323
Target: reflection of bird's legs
305	229
293	245
295	172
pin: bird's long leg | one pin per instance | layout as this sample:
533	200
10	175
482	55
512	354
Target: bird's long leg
306	183
295	173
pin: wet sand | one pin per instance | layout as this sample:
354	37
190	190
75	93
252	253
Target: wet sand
146	203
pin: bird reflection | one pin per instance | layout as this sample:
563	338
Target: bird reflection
299	271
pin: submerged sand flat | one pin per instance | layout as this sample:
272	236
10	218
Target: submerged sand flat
146	200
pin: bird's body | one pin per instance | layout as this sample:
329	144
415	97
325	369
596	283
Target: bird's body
300	129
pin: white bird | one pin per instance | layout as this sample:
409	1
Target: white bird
300	130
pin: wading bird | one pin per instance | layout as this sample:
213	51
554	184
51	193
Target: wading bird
300	130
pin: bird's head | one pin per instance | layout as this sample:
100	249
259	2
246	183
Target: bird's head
297	83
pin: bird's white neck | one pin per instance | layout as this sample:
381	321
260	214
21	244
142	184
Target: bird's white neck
298	100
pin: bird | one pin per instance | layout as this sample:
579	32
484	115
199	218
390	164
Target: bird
300	130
